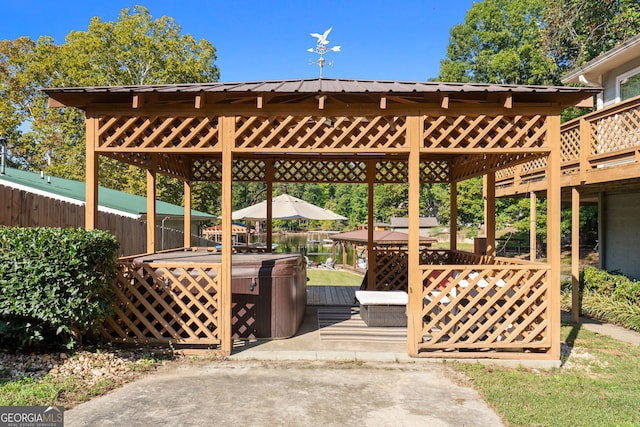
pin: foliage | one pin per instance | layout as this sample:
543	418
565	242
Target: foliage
577	31
55	283
499	42
608	296
134	50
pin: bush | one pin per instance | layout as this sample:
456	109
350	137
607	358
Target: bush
608	296
55	283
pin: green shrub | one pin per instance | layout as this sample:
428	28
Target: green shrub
54	283
608	296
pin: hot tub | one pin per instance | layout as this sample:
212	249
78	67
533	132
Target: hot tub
268	290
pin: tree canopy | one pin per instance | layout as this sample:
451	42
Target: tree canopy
499	42
134	50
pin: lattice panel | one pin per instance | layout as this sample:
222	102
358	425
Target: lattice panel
536	165
158	303
391	270
142	160
505	173
320	171
249	170
392	171
436	257
481	164
157	133
434	172
207	170
616	132
570	144
483	308
484	131
320	133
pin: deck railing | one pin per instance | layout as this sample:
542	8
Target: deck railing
594	142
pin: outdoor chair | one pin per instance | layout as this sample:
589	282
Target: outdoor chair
329	263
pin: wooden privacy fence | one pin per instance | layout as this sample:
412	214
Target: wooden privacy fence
21	208
161	303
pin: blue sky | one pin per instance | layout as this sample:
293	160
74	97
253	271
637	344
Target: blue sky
268	40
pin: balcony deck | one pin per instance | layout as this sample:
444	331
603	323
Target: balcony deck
600	150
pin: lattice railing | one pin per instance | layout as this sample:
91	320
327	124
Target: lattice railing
483	308
613	139
157	133
165	303
485	132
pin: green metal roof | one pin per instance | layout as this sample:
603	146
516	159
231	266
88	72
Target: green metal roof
111	199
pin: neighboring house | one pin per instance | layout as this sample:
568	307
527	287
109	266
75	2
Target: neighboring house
239	233
34	199
617	71
427	223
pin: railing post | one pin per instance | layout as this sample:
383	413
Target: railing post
585	149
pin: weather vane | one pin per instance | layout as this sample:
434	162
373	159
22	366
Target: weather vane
322	48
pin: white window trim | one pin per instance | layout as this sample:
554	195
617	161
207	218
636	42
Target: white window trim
622	77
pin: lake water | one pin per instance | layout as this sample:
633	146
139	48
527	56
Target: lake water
312	245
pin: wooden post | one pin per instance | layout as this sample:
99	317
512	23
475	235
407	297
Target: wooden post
553	231
91	174
489	189
228	140
533	231
371	256
453	209
269	174
585	149
414	316
187	214
602	226
151	210
575	255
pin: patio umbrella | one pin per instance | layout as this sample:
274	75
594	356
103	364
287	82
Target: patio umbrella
286	207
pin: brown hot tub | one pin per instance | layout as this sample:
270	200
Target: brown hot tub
268	290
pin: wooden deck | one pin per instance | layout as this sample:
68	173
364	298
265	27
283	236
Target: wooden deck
331	295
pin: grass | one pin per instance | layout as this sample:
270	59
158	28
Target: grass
326	277
596	386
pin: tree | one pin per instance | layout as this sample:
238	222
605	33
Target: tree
577	31
499	42
134	50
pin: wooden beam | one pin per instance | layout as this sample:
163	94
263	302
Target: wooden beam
507	100
575	255
489	182
187	214
453	214
383	102
259	102
553	231
269	175
91	174
52	103
151	211
227	125
201	100
444	101
414	312
371	256
321	101
138	101
533	232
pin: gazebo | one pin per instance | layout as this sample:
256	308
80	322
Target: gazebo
345	131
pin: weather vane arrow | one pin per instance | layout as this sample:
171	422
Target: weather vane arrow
322	48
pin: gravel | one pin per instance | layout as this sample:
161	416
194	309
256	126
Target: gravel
88	367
